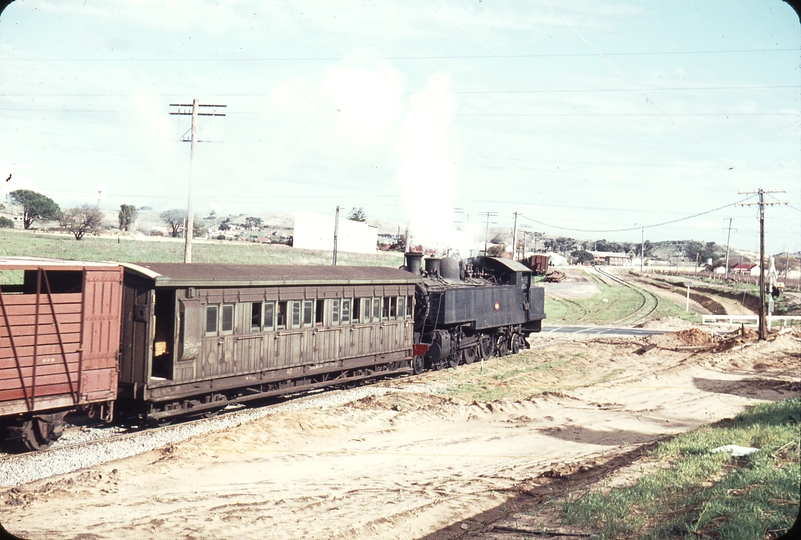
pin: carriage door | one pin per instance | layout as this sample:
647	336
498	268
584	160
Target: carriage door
218	343
164	334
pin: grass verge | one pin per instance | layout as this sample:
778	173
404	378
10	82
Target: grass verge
700	494
612	303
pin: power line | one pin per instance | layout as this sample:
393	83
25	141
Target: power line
417	57
640	227
460	92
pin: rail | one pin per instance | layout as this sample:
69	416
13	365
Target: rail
645	309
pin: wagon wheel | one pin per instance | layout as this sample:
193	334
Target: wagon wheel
515	343
418	365
486	348
469	354
39	433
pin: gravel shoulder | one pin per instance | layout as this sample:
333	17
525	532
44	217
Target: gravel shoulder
442	455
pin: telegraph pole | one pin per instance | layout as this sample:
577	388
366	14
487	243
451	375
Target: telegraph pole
514	238
642	247
336	234
486	235
728	241
761	192
189	228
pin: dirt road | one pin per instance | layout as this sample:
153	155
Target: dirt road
407	465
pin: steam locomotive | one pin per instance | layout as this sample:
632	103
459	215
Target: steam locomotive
150	341
472	309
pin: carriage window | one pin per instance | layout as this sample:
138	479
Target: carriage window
281	315
385	309
393	307
255	316
401	307
409	305
318	319
335	311
295	314
308	312
366	309
269	315
346	311
357	309
376	309
211	319
227	318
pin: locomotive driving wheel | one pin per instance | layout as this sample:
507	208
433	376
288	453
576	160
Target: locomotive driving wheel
453	359
502	347
515	345
469	354
486	347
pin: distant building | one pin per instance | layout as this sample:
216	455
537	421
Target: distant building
746	268
556	260
610	258
316	231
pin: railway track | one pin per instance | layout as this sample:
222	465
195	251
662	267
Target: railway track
649	304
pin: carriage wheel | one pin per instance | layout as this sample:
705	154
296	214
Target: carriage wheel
418	365
515	343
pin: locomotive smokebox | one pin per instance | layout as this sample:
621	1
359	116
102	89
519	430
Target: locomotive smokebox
433	266
413	262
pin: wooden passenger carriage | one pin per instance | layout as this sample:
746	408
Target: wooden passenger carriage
197	337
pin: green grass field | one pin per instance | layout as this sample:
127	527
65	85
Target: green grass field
612	303
104	248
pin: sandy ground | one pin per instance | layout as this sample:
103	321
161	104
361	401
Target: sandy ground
413	465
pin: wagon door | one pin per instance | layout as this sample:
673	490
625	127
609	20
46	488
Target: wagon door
102	304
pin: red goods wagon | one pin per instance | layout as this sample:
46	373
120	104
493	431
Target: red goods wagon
537	263
59	344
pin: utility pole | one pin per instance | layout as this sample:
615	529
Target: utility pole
486	235
189	228
514	238
642	247
761	192
336	233
728	241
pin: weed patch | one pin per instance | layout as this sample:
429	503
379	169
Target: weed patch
706	494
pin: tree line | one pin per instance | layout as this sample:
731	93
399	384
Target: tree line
79	220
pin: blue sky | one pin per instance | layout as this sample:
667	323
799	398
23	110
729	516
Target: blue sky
588	117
